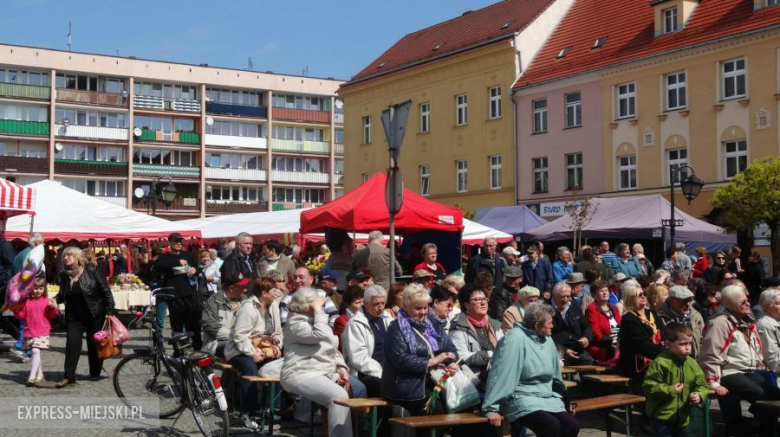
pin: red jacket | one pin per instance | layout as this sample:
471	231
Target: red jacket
700	266
601	346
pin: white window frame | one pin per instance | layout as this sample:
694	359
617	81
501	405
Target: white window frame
541	174
367	129
461	109
425	180
494	102
675	160
540	115
461	176
425	117
627	166
574	169
735	76
573	108
670	20
627	95
679	89
494	162
735	155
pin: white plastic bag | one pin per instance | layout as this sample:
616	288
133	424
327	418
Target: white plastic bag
271	369
460	393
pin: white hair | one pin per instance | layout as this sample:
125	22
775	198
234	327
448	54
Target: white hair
560	288
36	239
374	291
375	237
300	300
768	297
731	295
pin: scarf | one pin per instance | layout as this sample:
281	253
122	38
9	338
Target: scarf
651	323
478	323
75	275
406	324
685	319
474	323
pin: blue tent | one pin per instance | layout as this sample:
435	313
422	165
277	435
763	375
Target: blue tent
510	219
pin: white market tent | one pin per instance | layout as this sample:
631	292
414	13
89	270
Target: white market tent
65	214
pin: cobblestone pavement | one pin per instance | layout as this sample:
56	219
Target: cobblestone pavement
13	375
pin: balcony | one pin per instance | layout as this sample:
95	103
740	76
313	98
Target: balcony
24	165
301	115
339	179
239	142
281	206
339	149
185	204
24	127
217	207
169	137
92	132
90	97
235	174
163	104
25	91
118	201
338	118
238	110
71	166
175	172
301	177
298	146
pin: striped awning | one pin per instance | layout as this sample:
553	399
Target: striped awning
15	199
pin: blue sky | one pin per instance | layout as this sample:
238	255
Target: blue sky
333	38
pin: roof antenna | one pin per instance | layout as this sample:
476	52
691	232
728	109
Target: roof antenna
70	36
250	65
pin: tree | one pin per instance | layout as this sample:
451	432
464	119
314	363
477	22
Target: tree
581	213
753	197
468	214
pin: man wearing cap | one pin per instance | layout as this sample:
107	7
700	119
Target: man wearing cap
615	296
577	283
487	261
219	313
179	271
359	279
237	264
511	256
327	282
514	314
376	258
678	307
424	278
537	271
504	296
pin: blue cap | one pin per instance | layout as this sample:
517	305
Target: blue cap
327	274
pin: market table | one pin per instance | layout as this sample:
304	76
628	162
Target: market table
124	299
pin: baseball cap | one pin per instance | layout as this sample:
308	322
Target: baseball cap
357	276
680	292
509	250
513	272
243	282
175	236
327	274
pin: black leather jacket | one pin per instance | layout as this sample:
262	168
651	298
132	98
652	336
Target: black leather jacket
99	299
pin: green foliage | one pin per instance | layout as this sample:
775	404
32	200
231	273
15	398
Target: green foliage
752	197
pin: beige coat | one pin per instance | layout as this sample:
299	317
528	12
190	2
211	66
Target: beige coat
311	349
249	324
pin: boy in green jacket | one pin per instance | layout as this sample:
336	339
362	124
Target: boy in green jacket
674	382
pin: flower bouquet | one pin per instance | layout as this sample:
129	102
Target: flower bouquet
316	264
436	392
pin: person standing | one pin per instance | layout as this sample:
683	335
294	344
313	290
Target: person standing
237	264
274	259
430	254
562	267
537	272
376	258
624	263
488	261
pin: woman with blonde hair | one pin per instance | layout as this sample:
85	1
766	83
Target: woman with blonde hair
639	337
656	296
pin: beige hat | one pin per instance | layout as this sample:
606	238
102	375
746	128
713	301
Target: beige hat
528	291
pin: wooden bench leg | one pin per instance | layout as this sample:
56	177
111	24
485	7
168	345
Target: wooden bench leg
628	420
609	424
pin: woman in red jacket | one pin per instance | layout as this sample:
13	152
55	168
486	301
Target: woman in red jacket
701	264
604	319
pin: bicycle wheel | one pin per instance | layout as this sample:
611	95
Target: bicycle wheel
144	376
211	421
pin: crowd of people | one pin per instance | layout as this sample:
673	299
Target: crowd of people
512	321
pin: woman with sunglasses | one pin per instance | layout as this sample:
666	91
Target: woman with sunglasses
639	337
711	274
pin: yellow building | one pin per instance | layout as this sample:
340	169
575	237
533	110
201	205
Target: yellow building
459	144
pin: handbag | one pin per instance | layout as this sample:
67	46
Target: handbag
105	347
641	363
268	345
118	330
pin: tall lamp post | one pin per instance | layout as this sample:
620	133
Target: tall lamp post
691	187
164	193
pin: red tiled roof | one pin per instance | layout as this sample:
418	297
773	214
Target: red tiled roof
469	30
629	27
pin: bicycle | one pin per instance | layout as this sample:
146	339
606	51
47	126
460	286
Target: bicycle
184	380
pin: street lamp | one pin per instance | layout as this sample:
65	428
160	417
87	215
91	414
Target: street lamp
691	187
164	193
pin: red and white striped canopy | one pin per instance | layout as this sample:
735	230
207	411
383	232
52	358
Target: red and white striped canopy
15	199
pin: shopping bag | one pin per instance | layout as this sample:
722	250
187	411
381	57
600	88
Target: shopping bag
271	369
118	330
460	393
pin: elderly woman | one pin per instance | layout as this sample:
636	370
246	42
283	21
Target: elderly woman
525	383
313	366
701	264
625	263
258	316
87	299
604	319
412	348
639	253
639	337
562	267
656	296
732	359
441	311
514	314
430	254
475	334
769	328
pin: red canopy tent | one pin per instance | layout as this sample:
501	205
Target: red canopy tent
15	199
364	209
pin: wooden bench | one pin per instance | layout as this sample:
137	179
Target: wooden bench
365	405
226	367
609	403
448	420
269	408
774	408
589	368
569	384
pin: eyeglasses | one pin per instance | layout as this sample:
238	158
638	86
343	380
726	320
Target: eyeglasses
479	300
720	257
178	241
641	295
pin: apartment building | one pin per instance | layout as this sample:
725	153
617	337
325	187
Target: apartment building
229	140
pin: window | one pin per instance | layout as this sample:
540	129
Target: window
462	176
626	100
234	97
367	129
494	101
298	195
599	42
227	193
540	175
675	91
495	172
310	103
96	188
564	51
425	180
10	111
574	171
540	115
425	117
670	20
24	77
573	109
366	176
338	166
736	157
226	160
772	2
627	172
461	109
733	79
677	159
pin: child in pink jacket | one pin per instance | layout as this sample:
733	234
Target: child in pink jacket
37	311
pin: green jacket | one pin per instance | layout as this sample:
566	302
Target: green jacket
663	403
